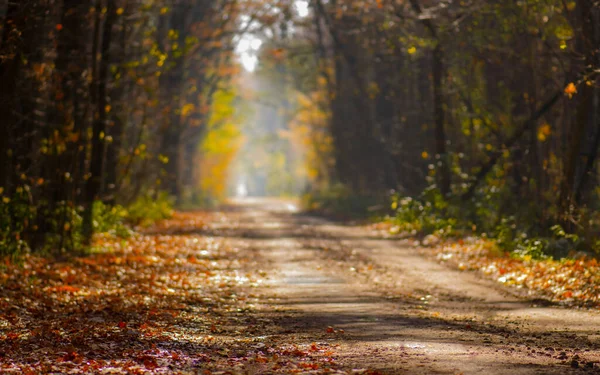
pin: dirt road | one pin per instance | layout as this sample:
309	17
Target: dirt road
384	305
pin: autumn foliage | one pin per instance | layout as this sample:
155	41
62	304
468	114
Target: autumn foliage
170	299
482	111
103	101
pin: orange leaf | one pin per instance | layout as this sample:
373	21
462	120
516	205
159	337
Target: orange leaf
64	288
571	89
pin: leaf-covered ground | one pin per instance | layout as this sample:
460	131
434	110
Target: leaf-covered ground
172	300
255	289
569	282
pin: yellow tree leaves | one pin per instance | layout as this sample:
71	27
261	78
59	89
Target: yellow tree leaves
187	110
544	132
219	147
571	90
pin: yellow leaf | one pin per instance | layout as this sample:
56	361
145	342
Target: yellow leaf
563	44
163	159
373	90
412	50
120	11
571	90
425	155
187	109
544	132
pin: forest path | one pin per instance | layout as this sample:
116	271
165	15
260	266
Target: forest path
380	305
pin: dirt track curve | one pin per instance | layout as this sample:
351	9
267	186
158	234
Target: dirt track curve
384	305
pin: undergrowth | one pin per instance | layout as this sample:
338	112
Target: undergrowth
431	214
148	209
58	230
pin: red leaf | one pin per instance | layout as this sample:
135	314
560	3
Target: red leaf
150	363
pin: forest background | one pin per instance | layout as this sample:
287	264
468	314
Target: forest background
450	117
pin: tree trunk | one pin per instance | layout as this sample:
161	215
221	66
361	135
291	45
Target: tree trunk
584	176
567	203
439	115
171	149
9	75
118	118
94	182
439	111
171	86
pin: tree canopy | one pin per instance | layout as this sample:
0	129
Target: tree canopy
486	110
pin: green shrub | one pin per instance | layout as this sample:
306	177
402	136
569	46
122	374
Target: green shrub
53	229
57	228
110	219
16	217
531	248
426	215
431	214
148	209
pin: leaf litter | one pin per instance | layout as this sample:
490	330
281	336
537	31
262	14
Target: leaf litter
170	299
569	282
